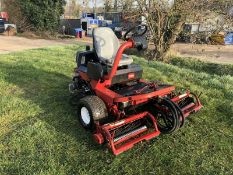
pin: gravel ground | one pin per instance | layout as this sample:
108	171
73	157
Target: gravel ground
211	53
13	43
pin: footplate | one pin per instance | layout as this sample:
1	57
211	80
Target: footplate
124	134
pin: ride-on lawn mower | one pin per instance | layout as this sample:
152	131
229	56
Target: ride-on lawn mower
119	107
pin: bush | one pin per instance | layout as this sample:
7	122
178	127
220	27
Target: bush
40	15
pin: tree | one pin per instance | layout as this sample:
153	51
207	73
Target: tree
39	15
1	5
165	19
16	15
107	5
125	5
115	5
73	9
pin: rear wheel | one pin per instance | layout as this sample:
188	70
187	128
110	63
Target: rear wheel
90	110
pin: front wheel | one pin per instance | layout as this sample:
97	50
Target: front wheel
90	110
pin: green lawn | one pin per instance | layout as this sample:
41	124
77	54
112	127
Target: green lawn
40	133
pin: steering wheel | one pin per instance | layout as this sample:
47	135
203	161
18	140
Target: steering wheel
136	31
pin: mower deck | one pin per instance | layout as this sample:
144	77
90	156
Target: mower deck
124	134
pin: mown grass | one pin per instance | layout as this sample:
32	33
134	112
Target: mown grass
197	65
40	134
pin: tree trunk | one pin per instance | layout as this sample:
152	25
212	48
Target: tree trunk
162	47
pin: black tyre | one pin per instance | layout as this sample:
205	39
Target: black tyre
91	109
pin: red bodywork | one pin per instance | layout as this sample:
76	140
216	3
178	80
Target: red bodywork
111	99
4	15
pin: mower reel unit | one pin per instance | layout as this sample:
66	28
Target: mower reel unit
114	103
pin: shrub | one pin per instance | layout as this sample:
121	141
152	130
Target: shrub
40	15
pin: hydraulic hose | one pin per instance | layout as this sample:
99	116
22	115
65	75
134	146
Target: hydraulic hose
173	107
174	114
180	113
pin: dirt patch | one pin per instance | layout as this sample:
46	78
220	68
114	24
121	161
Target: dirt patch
10	32
211	53
13	43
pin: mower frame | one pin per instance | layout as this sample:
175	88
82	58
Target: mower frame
101	88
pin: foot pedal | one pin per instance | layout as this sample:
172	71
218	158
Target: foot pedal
124	134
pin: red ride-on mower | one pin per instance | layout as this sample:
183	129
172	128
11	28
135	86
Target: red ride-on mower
119	107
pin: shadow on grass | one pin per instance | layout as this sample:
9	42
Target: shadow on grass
49	90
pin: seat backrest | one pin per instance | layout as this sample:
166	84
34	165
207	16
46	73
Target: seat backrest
106	44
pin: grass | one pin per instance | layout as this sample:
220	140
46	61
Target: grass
197	65
40	134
